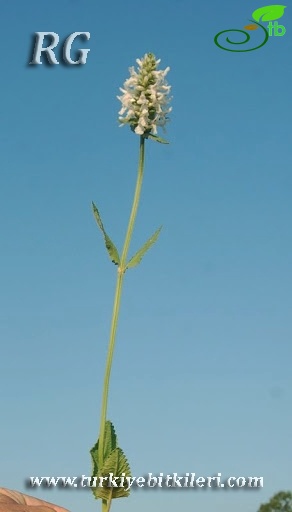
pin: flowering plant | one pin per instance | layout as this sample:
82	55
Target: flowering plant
145	97
145	106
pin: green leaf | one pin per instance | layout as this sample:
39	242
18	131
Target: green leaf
110	439
115	463
111	248
136	259
269	13
158	139
115	466
280	502
110	443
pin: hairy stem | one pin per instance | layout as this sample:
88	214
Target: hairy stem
116	309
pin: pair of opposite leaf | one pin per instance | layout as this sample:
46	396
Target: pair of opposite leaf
112	250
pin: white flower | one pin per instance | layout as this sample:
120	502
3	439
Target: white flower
145	97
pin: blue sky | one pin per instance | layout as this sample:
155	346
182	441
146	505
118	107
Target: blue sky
201	380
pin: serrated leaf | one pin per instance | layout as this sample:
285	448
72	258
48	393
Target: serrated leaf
110	443
136	259
115	467
158	139
110	439
269	13
111	248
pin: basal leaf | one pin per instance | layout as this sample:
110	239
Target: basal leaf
110	439
94	452
158	139
136	259
115	469
269	13
110	443
111	248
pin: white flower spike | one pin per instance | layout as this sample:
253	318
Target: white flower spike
145	97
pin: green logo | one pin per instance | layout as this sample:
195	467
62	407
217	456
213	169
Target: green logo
268	13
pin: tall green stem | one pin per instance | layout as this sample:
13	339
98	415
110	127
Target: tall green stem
116	308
